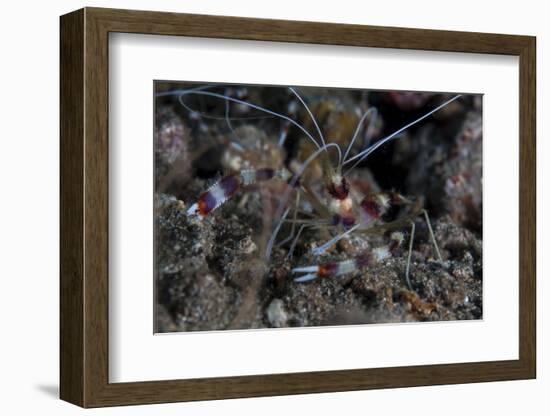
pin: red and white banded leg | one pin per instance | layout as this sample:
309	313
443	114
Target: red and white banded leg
219	193
340	268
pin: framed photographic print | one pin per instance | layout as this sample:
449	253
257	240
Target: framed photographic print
259	207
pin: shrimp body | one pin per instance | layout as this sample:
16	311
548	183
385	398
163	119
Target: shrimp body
340	202
336	206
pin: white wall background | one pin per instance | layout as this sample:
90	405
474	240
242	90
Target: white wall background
29	85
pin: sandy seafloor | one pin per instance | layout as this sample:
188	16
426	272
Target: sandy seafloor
212	273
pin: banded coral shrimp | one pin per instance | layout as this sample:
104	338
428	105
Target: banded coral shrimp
329	203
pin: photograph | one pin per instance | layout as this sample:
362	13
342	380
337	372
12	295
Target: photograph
304	206
275	202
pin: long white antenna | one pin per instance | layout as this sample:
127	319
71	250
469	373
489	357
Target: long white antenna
362	155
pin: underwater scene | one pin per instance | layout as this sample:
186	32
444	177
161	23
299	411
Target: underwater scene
295	206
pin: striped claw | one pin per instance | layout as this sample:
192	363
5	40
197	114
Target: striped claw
332	269
340	268
193	210
306	277
219	193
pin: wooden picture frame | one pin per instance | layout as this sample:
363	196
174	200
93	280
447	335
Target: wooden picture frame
84	207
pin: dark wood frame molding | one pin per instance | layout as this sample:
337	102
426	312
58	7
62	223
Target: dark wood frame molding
84	208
